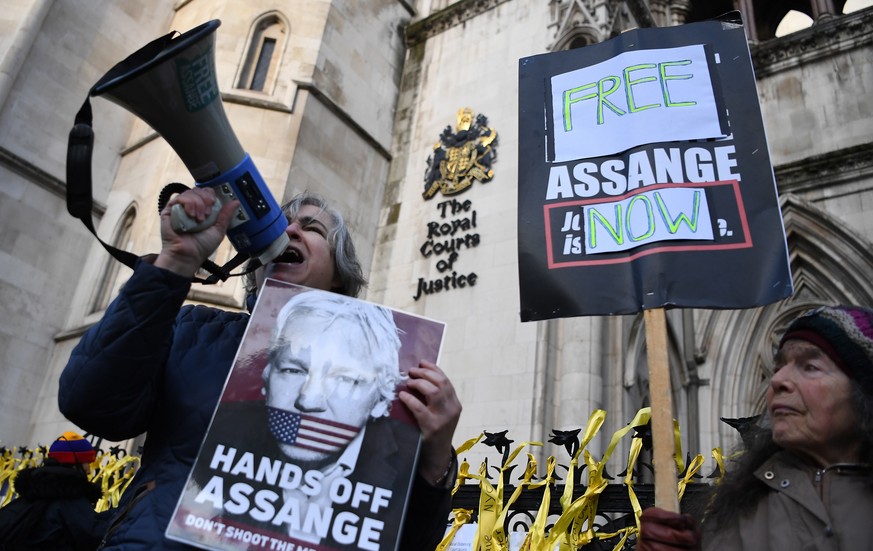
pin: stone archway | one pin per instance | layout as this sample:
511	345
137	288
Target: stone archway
829	263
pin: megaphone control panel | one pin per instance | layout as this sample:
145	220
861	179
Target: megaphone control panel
248	188
249	195
258	226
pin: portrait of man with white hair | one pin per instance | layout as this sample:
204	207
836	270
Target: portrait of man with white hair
322	451
333	366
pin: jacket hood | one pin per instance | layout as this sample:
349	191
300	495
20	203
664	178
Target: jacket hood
55	482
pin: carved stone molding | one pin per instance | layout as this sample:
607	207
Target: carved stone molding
595	20
575	19
454	15
40	177
824	39
344	116
640	11
830	168
829	263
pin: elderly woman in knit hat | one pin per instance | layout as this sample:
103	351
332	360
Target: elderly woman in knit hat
55	504
805	482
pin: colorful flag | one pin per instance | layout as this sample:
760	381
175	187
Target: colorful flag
308	432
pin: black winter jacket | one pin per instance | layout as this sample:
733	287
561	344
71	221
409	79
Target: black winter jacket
152	365
54	511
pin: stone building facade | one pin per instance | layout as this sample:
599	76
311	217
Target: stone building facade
349	101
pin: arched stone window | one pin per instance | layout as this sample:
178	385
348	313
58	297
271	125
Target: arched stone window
578	37
578	23
736	347
829	265
114	272
793	22
763	17
262	57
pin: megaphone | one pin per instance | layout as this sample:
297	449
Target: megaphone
170	84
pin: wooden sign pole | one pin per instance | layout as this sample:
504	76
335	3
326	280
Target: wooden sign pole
663	444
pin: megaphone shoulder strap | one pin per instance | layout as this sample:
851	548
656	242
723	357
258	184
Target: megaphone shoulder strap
79	197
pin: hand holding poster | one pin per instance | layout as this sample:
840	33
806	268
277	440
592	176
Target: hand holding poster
309	448
645	179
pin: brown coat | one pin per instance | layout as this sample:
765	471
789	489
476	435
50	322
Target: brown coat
806	509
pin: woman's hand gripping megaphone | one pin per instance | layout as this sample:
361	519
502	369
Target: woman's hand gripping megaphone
206	221
182	223
257	227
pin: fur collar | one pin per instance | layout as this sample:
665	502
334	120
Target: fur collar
55	482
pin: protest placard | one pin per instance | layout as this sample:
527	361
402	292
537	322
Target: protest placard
645	182
645	179
309	448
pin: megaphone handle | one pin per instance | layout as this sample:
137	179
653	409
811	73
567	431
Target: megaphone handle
223	194
182	223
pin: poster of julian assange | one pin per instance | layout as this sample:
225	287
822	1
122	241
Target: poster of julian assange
309	449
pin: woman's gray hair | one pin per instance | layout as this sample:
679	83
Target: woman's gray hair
348	267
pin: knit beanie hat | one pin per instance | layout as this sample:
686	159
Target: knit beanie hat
71	449
845	334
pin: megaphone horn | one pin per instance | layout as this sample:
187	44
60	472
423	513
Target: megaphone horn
170	84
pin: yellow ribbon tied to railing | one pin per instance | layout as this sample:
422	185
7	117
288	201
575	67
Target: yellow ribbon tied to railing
12	465
114	475
585	515
583	510
693	468
718	456
535	539
498	535
491	500
462	517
